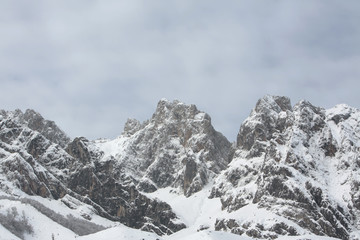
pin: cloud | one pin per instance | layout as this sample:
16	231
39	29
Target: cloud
89	65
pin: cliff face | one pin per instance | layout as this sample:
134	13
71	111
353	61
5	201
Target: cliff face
295	168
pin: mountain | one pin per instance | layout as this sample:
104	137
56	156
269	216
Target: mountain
300	163
293	173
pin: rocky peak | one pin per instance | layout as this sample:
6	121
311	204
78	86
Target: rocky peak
296	163
10	114
177	147
10	119
308	117
177	111
131	126
47	128
205	149
270	116
36	122
273	103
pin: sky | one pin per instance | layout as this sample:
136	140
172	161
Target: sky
89	65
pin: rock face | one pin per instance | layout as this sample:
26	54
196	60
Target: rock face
268	118
120	199
23	151
293	170
300	163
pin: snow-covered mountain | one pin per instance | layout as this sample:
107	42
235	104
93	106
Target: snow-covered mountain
293	173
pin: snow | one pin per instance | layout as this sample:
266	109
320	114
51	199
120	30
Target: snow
338	109
198	210
121	232
6	235
306	237
355	235
282	114
199	116
112	148
348	128
254	215
43	226
335	131
78	209
125	233
206	235
195	210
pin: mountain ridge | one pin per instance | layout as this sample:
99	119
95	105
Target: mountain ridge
297	165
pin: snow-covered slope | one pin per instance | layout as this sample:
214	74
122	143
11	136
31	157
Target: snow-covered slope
293	173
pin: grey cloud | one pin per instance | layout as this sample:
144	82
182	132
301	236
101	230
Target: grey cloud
89	65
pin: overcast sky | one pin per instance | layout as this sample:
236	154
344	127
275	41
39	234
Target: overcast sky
91	64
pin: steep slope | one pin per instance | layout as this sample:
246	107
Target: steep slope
301	163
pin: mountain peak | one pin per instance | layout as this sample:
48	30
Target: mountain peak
176	111
132	126
36	122
268	116
274	103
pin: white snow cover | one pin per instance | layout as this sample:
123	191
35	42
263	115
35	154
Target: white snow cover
43	226
6	235
120	232
112	148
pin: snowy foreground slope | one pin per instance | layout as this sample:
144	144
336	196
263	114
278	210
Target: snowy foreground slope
293	173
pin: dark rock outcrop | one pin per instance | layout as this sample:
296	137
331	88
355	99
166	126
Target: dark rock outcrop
124	202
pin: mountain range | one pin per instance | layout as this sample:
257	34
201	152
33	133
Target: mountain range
292	173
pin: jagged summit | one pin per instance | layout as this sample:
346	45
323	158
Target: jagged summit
268	117
177	110
36	122
177	147
274	103
293	171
